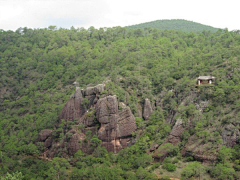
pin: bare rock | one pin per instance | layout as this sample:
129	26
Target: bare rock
116	127
73	109
93	90
44	134
126	122
173	139
74	143
115	130
176	132
122	105
147	110
48	142
106	108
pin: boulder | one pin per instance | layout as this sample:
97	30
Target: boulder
93	90
147	110
44	134
48	142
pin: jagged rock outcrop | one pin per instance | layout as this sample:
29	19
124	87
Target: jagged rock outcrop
126	122
174	138
73	144
74	108
107	109
115	131
176	132
93	90
147	109
116	127
88	119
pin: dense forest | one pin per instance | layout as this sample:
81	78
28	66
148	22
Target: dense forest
175	24
39	66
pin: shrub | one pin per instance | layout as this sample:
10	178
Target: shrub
193	169
169	167
223	172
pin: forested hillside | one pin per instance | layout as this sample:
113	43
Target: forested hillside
175	24
192	132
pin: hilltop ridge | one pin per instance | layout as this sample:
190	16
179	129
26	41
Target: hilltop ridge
175	24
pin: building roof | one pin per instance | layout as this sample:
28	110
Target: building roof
206	77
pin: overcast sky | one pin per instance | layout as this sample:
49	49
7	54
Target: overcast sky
109	13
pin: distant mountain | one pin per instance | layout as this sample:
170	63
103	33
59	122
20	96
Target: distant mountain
175	24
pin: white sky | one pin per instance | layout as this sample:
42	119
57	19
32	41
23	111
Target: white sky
109	13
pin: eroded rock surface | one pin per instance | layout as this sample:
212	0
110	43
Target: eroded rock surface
176	132
173	139
199	150
116	126
147	110
44	134
74	108
101	117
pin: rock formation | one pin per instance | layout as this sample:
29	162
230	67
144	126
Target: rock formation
199	151
74	108
174	138
44	134
147	110
116	126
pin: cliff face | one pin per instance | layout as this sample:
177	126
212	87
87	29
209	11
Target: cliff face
99	116
88	113
74	108
116	126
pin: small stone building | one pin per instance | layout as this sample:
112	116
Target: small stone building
205	80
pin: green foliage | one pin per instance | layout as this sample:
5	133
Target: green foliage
193	169
95	142
165	178
224	154
13	176
58	168
168	148
223	172
174	24
143	174
169	167
38	67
